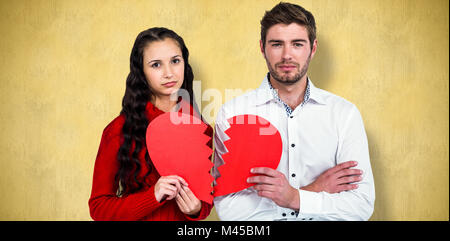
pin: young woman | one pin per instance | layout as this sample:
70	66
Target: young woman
126	186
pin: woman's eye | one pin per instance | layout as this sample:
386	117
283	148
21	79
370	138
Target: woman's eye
155	65
176	61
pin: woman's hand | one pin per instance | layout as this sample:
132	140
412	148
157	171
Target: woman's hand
188	202
167	187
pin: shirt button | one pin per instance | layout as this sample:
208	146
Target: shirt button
291	116
284	214
293	175
292	213
293	145
310	218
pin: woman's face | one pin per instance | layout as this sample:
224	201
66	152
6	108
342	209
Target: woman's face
163	67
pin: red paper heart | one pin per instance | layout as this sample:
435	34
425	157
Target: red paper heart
254	142
177	145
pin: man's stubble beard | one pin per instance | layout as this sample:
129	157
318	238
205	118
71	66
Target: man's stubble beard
289	81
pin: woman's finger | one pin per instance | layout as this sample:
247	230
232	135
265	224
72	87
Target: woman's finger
189	193
172	181
169	186
184	195
181	203
177	178
167	194
193	203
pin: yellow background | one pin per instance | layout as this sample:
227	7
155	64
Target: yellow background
63	65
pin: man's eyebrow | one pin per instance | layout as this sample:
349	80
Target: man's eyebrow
282	41
299	40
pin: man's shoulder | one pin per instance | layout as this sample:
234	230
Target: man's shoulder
249	98
341	108
335	101
245	103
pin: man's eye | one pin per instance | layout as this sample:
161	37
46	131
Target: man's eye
298	45
276	45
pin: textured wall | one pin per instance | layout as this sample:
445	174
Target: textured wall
63	66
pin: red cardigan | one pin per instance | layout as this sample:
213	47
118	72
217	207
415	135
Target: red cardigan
142	205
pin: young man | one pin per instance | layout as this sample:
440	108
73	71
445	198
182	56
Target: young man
323	135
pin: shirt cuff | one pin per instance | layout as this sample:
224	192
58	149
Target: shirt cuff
310	202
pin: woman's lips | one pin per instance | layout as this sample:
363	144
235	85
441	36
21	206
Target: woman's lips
170	84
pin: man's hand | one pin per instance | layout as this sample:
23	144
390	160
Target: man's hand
274	185
337	179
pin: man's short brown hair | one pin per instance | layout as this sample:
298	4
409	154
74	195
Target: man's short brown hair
287	13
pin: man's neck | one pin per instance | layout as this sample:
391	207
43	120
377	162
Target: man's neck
292	95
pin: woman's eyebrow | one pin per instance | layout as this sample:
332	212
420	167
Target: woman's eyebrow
158	60
153	60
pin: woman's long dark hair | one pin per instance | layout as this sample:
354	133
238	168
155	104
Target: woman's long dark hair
137	94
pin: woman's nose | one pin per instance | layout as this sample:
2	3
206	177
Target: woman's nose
168	73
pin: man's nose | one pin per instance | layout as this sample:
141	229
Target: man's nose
287	53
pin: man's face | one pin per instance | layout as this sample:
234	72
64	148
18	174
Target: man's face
288	52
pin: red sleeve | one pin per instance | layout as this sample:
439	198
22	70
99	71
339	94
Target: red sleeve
104	203
204	212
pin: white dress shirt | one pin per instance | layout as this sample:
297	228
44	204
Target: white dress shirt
320	133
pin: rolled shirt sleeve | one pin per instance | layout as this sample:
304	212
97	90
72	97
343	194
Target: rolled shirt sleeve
356	204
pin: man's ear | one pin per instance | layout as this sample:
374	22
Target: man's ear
261	46
314	48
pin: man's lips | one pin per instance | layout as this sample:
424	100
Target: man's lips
287	67
170	84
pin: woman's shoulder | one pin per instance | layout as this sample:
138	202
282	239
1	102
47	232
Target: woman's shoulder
114	128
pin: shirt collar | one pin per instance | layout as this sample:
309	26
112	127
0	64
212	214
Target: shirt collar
265	92
316	94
